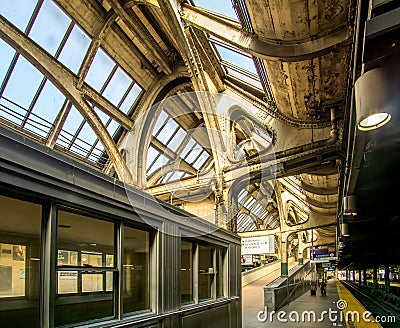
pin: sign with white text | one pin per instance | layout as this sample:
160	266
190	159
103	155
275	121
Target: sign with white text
258	245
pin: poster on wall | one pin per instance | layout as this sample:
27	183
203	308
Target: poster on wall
247	260
18	253
258	245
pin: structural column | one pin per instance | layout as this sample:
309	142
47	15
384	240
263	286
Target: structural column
284	257
387	278
359	277
375	278
364	272
300	250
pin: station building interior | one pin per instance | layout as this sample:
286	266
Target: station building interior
190	163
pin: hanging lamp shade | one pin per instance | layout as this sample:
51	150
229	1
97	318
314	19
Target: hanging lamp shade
345	230
350	205
372	100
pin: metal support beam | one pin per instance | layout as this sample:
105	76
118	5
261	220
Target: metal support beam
65	81
59	123
267	49
140	32
106	106
94	46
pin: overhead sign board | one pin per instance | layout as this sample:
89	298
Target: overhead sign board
258	245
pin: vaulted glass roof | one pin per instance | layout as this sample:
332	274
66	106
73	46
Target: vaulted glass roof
238	65
253	211
171	144
41	105
222	7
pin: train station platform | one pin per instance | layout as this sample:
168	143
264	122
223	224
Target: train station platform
338	308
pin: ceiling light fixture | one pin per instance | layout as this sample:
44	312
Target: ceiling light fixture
372	100
350	205
345	230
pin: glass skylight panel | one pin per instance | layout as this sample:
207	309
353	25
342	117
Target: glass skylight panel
237	63
241	217
49	102
172	176
249	202
246	78
194	154
37	125
201	160
252	227
222	7
246	222
87	136
131	98
112	127
274	224
102	116
117	86
189	146
270	220
96	152
167	131
161	160
11	112
49	27
18	12
257	209
242	195
99	70
7	54
152	153
241	60
263	215
177	140
75	49
71	126
24	77
249	226
161	120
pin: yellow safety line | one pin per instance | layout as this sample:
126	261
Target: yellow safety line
353	306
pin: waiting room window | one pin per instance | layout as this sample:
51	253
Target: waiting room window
220	264
136	271
186	272
85	268
209	261
206	272
20	223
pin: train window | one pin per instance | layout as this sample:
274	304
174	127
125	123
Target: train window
136	270
85	268
206	272
186	272
20	223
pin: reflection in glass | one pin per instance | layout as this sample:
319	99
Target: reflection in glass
92	282
19	262
67	282
136	276
186	272
206	272
84	243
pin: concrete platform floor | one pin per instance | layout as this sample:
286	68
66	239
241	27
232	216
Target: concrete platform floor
253	303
